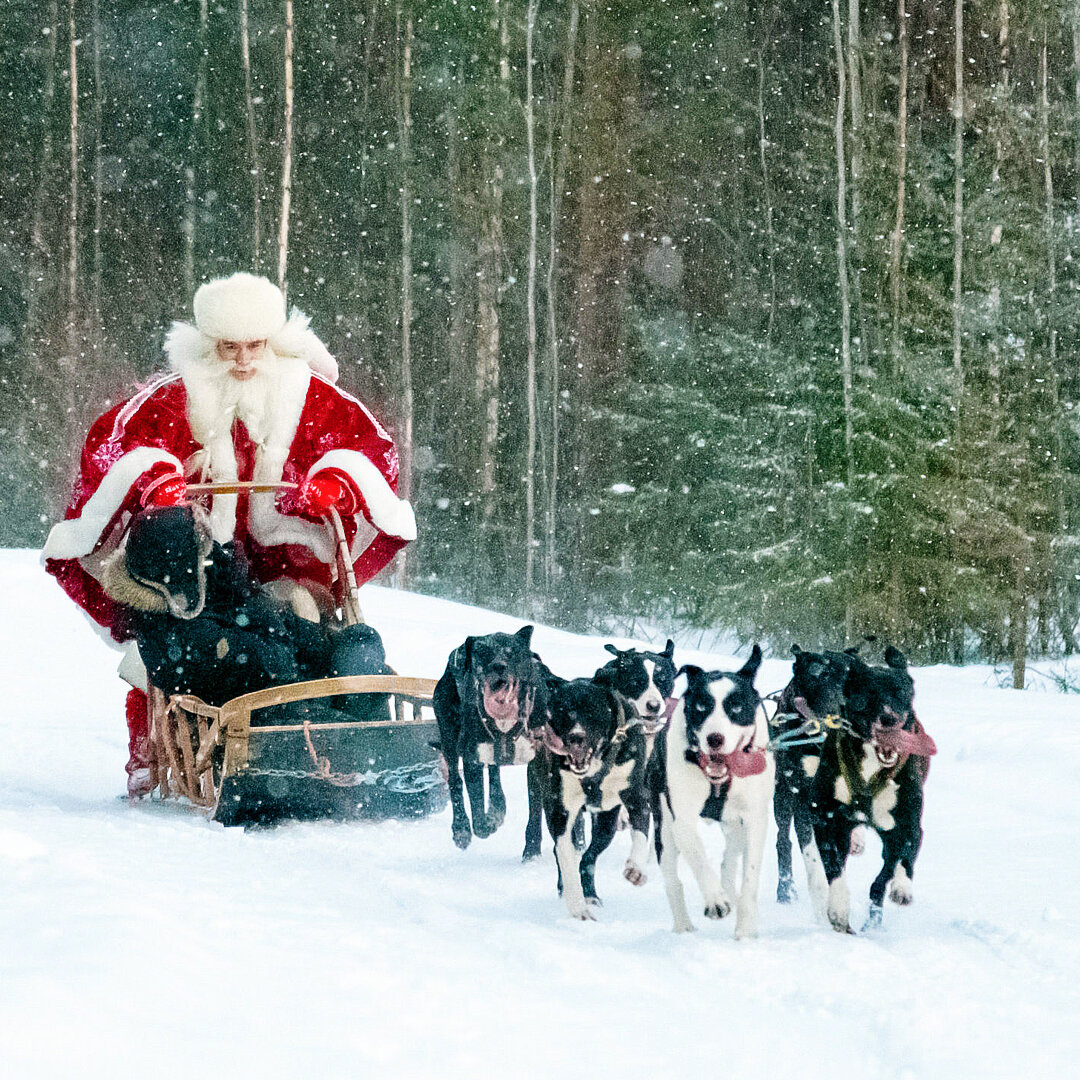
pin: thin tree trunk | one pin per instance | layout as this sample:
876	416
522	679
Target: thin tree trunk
73	192
40	253
766	32
958	196
530	378
286	160
1048	183
190	191
95	287
845	297
997	230
558	182
405	132
856	246
253	140
896	264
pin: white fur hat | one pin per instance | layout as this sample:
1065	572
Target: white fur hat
241	307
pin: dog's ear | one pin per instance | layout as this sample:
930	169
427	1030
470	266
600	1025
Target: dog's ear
852	650
895	658
467	650
669	649
525	635
605	676
750	668
691	671
611	649
795	650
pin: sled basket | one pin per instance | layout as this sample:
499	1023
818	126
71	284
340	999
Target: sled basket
282	753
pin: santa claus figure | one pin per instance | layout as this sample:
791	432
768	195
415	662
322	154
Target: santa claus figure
251	396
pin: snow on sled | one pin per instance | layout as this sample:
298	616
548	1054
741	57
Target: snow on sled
261	757
287	752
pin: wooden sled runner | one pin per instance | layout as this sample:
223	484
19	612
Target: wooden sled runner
274	754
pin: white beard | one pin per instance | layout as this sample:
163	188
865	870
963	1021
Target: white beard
268	404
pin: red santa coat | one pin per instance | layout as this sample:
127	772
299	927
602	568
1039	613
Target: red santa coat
288	426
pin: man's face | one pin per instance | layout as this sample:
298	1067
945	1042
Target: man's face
242	357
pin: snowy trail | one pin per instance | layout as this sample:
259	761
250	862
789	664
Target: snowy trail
145	938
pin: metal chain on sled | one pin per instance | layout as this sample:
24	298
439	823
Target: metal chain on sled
405	779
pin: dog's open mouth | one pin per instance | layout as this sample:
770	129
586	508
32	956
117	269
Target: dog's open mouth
502	703
579	767
887	757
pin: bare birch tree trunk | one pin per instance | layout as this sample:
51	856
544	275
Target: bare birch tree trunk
854	53
190	192
41	258
95	286
489	258
253	140
286	158
1048	185
958	196
405	132
73	191
896	262
845	296
530	378
558	182
766	33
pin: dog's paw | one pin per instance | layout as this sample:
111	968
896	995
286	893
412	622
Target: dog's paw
746	928
594	901
901	892
683	927
528	855
496	816
785	891
483	827
857	844
838	920
579	909
873	918
634	874
718	907
462	835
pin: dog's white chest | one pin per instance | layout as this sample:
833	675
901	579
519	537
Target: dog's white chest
524	751
616	781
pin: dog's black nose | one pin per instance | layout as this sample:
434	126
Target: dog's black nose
715	741
653	708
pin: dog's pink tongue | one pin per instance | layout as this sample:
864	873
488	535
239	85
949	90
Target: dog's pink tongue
899	741
746	762
502	705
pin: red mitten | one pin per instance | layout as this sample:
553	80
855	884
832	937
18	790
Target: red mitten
169	489
328	490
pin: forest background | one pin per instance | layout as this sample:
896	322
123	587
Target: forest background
758	316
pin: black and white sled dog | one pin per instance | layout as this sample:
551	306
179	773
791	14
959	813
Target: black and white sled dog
873	768
492	692
645	679
712	761
593	758
812	699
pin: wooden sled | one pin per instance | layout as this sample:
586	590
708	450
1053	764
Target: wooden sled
275	754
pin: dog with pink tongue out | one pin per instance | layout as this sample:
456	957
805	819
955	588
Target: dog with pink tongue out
713	762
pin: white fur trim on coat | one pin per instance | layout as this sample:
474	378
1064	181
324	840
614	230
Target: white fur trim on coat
389	514
79	536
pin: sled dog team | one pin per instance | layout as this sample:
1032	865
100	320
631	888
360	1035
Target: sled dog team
843	749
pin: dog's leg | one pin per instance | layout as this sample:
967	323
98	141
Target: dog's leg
496	812
567	855
815	872
636	802
858	840
668	852
899	849
734	845
685	829
534	779
459	824
604	826
474	785
782	813
753	836
577	833
833	836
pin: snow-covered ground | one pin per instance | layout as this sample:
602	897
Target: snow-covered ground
145	940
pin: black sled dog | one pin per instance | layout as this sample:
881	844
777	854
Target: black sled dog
873	768
202	624
645	679
593	758
712	761
492	693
